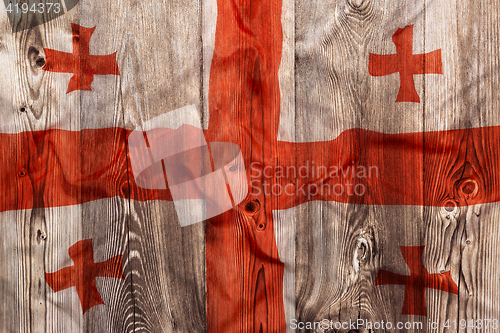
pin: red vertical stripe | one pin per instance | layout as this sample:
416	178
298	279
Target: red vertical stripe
244	274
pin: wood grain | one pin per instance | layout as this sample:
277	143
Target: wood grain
334	92
155	295
244	274
314	261
167	262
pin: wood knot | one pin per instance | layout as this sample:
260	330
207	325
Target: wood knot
363	251
252	206
362	248
125	190
40	62
360	7
36	58
355	3
41	235
252	209
467	188
450	205
466	184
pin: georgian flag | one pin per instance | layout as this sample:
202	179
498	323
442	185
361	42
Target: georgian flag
315	99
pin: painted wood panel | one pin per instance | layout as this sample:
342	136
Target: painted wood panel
259	74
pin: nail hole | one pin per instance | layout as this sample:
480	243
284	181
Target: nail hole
468	242
23	110
261	226
22	173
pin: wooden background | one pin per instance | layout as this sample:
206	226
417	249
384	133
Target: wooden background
331	251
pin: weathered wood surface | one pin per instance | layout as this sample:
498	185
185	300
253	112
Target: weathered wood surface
164	265
334	92
331	251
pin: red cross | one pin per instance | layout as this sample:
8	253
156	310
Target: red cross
417	281
83	273
83	65
406	63
244	275
244	100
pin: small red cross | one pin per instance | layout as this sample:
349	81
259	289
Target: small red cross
417	281
406	63
83	65
83	273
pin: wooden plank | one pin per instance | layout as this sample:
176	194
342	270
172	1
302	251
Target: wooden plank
244	275
448	98
163	63
154	295
105	224
470	104
167	269
335	92
14	309
28	107
209	12
480	256
162	66
286	73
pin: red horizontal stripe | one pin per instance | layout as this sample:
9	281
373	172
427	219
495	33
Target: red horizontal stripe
58	168
428	168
